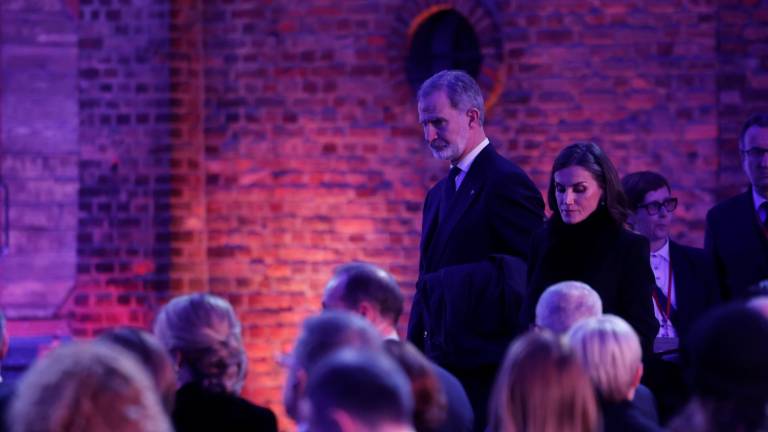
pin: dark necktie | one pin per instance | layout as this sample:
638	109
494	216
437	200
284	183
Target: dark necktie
764	216
449	192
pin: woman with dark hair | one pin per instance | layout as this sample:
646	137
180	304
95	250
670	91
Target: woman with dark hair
585	240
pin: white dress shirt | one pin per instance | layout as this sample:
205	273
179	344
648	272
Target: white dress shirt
467	160
660	264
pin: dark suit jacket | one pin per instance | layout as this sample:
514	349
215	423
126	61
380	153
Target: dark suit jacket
459	415
625	417
198	409
737	244
494	212
610	259
695	285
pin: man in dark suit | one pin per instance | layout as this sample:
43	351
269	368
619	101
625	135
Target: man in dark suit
685	280
486	207
737	228
686	286
371	292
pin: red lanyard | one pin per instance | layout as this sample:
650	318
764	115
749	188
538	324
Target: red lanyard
669	298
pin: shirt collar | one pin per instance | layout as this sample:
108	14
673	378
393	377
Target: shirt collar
663	252
466	162
392	336
757	200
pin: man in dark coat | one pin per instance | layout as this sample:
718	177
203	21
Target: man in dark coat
486	206
684	275
737	233
372	293
686	285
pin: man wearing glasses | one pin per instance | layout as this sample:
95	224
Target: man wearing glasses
686	285
737	228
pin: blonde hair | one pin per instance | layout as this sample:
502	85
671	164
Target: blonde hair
542	388
87	387
610	352
205	332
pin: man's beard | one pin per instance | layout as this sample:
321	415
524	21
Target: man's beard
447	151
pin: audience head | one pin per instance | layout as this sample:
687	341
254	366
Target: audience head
367	290
321	335
541	387
355	390
760	304
725	359
451	111
609	350
651	205
4	339
564	304
428	396
583	179
728	348
87	387
753	144
150	354
202	334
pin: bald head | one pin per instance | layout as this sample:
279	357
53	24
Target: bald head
564	304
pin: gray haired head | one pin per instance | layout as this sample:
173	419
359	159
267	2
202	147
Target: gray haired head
460	88
564	304
204	333
320	336
368	387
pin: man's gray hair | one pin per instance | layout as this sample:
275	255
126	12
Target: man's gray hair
203	327
462	90
609	350
564	304
320	336
368	386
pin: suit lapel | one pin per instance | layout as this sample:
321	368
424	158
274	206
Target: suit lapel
430	223
469	190
682	272
751	232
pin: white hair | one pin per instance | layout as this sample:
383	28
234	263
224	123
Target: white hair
760	304
609	349
564	304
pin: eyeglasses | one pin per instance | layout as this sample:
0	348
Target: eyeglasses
756	153
654	207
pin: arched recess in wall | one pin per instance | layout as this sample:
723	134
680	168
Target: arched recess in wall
430	36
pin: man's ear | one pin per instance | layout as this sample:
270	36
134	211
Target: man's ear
367	310
631	220
474	117
638	376
345	422
176	360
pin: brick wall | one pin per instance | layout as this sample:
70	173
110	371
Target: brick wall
247	147
742	82
38	154
313	158
127	186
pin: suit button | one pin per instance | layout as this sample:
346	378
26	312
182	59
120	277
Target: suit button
426	334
